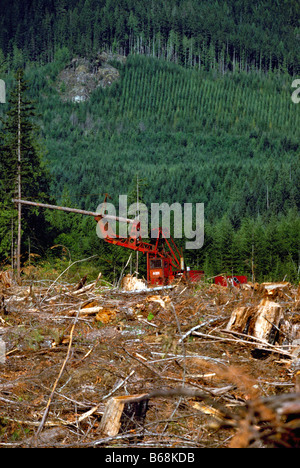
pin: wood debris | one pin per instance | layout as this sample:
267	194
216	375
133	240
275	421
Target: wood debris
261	321
123	411
131	283
5	279
168	368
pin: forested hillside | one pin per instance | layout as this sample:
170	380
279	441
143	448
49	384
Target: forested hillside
247	34
228	142
202	113
237	133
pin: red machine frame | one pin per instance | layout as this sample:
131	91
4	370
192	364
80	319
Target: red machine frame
232	280
164	260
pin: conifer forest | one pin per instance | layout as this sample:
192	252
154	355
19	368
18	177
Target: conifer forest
201	112
165	101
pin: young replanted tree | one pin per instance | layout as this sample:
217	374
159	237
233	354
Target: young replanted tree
22	173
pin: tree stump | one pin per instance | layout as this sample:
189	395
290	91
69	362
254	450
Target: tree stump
123	414
261	321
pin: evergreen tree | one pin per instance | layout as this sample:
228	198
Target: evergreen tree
21	164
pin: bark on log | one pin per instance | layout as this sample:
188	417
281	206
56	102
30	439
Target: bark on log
261	321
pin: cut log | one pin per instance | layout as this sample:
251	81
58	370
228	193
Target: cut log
124	413
261	321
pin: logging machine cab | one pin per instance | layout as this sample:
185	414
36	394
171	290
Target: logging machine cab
160	271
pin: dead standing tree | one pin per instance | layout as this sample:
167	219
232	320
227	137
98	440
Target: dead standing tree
19	184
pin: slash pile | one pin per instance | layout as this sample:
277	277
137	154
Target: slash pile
192	353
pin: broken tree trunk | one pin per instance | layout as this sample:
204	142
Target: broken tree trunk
124	413
5	279
260	321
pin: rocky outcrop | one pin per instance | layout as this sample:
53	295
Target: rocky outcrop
82	76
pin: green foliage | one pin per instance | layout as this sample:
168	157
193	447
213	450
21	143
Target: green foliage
163	120
194	138
213	122
19	137
232	35
6	221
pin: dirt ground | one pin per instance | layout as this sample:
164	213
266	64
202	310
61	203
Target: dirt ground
68	351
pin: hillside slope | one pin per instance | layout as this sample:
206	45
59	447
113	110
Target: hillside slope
231	35
229	142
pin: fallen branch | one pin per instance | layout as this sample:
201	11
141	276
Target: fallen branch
197	328
74	263
61	422
253	341
44	418
95	408
119	386
131	409
256	341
